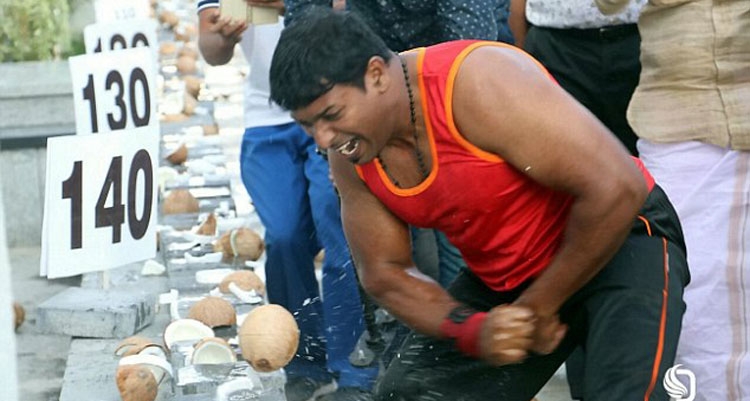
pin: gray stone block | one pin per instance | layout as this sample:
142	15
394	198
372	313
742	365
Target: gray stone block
97	313
90	373
38	88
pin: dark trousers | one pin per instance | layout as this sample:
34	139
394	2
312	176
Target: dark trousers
599	67
627	318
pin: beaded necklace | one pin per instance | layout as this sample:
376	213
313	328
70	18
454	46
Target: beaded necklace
417	152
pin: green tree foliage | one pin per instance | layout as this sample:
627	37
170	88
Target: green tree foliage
33	29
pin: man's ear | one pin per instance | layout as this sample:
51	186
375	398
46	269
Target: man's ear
376	75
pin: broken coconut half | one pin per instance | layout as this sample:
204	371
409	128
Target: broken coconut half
214	312
268	338
158	367
212	351
208	227
180	201
178	155
186	330
135	345
246	280
240	243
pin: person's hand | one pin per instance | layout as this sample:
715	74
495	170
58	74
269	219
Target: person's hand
227	27
277	4
507	334
548	334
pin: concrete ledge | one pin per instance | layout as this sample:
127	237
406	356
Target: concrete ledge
86	312
36	100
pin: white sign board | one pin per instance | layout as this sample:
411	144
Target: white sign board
119	10
100	198
100	204
118	35
114	91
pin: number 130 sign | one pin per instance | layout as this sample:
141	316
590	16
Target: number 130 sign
100	203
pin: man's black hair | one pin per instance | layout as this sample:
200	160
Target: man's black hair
320	49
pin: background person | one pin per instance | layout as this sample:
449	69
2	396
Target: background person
298	207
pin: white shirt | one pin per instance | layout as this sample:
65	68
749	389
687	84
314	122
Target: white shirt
580	14
258	43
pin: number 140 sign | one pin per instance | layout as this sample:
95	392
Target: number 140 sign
100	200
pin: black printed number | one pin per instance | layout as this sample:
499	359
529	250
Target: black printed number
135	88
110	210
118	41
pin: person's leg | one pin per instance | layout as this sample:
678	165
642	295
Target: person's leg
622	63
342	306
273	174
710	188
634	311
430	369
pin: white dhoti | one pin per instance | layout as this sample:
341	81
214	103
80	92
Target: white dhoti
710	189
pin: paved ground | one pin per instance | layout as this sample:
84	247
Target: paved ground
42	357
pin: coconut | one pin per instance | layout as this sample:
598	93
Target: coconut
169	17
269	337
133	345
19	314
214	312
159	366
186	65
167	48
185	32
246	280
136	383
173	118
180	201
210	129
241	243
178	155
192	85
208	227
189	50
186	330
213	350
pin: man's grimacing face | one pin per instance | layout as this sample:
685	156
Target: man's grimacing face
345	120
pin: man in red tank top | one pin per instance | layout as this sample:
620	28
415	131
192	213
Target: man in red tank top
568	239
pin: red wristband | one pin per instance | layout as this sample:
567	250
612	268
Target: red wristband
465	333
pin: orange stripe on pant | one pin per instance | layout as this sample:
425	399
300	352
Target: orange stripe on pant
662	324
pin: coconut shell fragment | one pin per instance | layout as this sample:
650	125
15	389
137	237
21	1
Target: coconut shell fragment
19	314
179	155
180	201
269	338
192	85
213	312
208	227
246	280
242	244
136	383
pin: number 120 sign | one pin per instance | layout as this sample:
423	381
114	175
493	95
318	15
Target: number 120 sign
100	200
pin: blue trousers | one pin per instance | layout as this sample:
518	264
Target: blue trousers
295	200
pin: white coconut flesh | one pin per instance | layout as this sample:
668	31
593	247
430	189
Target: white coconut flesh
159	367
210	352
155	350
186	330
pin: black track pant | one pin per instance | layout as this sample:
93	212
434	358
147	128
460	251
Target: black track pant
627	318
